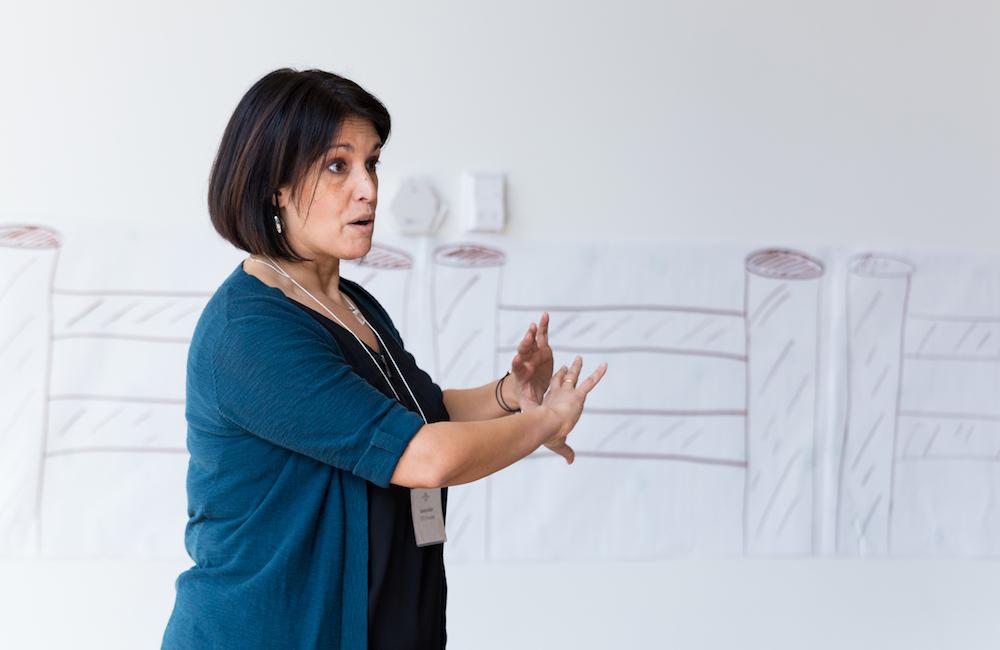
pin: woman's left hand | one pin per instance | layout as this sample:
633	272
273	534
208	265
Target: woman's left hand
531	367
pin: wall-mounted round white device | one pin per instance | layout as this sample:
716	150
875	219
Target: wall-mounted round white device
417	209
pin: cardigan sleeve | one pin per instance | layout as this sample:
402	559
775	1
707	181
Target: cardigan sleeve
288	383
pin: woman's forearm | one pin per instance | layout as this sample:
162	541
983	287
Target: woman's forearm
443	454
480	403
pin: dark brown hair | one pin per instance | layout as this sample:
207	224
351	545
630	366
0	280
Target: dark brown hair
280	128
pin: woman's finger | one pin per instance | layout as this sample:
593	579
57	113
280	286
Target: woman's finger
527	341
566	452
543	330
557	378
590	382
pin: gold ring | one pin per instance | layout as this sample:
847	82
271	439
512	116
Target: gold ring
572	381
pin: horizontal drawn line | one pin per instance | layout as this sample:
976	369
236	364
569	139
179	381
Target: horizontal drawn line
953	457
603	308
678	413
701	460
116	450
112	292
640	349
115	398
125	337
955	318
951	416
951	357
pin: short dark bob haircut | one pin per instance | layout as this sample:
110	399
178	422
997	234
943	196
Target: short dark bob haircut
283	125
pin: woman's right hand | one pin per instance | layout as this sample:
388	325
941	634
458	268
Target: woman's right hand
565	398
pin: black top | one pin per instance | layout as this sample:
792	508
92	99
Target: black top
407	590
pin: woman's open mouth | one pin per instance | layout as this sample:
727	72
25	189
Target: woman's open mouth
364	224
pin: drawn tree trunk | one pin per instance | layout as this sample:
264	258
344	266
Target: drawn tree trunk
28	256
877	290
782	314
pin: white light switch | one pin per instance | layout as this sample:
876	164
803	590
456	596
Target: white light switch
483	201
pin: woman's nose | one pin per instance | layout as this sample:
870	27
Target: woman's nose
365	187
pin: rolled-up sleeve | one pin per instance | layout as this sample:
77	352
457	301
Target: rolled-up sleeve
287	382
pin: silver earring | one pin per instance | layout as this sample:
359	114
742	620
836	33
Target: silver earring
277	223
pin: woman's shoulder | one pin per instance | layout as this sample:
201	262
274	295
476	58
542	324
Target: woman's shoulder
242	301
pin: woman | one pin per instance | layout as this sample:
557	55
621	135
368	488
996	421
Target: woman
314	436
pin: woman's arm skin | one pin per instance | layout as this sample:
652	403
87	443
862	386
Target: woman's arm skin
480	403
443	454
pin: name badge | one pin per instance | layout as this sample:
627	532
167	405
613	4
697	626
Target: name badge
428	516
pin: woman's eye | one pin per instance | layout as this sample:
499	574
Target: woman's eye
336	166
372	164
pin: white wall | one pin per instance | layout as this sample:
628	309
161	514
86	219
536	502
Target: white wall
874	122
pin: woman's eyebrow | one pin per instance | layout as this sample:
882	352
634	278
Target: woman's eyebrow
350	147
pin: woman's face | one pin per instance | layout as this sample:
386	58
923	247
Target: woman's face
324	224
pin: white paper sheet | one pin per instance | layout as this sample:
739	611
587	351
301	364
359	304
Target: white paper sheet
758	400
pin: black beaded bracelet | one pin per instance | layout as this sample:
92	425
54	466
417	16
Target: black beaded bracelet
499	397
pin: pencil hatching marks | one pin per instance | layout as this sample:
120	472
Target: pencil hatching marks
774	367
982	341
965	335
913	436
20	362
583	330
15	275
70	422
788	513
457	298
101	424
968	435
142	418
614	432
930	441
691	438
719	332
16	333
121	312
460	351
764	303
556	329
770	427
867	476
773	308
697	328
615	326
777	489
868	439
926	338
156	310
673	427
87	310
653	329
871	355
797	394
958	430
18	412
878	382
868	517
184	312
868	311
